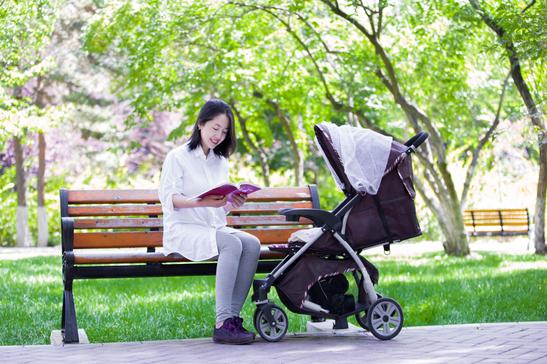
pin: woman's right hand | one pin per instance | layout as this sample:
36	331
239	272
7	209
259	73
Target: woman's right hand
213	201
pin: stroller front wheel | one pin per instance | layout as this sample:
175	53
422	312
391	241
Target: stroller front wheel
384	319
275	329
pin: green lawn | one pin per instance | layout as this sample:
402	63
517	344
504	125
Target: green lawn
432	289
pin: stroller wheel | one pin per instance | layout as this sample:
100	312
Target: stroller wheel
275	330
361	316
384	319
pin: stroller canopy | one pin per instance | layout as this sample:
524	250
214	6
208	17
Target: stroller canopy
355	156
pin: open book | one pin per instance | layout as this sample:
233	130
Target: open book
229	189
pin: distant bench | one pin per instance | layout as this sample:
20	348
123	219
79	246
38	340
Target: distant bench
497	222
115	233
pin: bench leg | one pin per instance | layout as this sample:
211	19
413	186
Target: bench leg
69	326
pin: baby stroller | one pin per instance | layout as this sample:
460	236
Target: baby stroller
375	174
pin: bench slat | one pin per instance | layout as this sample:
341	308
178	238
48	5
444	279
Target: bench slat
264	221
494	210
497	223
151	196
138	239
112	196
158	223
113	210
281	194
270	208
147	210
143	257
117	223
130	239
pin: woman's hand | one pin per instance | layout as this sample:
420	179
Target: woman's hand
212	201
238	200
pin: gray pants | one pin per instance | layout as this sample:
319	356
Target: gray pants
236	266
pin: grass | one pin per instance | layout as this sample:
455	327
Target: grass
432	289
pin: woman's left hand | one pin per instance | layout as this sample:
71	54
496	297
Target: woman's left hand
238	200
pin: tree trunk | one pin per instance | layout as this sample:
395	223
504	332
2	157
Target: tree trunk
539	215
42	214
23	233
447	206
536	118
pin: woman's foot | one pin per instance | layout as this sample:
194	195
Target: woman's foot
229	333
238	321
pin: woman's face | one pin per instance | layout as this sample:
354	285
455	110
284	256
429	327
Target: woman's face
214	131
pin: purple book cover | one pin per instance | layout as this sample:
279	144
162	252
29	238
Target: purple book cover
229	190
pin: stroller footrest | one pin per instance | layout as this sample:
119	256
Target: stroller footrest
281	248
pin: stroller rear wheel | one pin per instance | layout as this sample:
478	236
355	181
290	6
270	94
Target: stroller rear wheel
384	319
275	329
361	316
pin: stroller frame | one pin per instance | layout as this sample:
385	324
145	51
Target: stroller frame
335	223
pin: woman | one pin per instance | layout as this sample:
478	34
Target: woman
196	228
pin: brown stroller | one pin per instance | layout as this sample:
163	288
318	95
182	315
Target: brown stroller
311	278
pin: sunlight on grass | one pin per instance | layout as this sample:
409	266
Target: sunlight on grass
431	288
513	266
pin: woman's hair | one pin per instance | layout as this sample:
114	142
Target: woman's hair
208	112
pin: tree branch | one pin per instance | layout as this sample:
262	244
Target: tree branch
297	153
474	161
516	72
428	201
529	5
256	148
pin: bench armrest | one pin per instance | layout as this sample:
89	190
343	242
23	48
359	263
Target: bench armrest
67	234
319	217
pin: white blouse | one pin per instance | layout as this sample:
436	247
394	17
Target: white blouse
191	232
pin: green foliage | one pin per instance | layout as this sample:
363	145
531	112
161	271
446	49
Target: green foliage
276	62
26	29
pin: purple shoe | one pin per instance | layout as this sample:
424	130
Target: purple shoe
238	322
229	333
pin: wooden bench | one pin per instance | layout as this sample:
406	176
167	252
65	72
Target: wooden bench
497	222
115	233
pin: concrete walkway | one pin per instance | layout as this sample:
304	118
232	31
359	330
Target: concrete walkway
477	343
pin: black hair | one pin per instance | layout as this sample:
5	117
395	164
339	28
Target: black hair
209	111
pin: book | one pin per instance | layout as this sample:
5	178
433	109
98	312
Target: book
230	189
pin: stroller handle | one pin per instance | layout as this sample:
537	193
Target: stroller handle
416	141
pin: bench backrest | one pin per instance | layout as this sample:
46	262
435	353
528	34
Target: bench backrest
501	221
132	218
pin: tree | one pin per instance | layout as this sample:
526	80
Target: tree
26	28
285	66
513	25
446	203
170	63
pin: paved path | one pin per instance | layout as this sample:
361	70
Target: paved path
478	343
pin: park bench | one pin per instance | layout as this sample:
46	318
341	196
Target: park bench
115	234
481	222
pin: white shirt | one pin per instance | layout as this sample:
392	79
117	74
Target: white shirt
191	232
